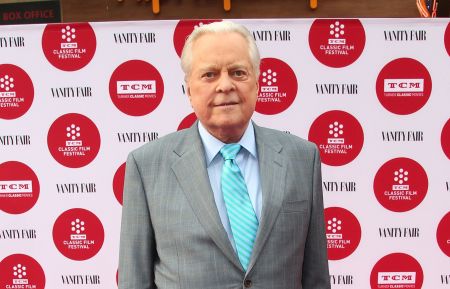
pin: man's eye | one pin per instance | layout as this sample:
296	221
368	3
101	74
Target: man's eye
239	73
208	75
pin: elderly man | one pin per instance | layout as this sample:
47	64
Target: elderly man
224	204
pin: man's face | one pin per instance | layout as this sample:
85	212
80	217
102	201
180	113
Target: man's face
222	85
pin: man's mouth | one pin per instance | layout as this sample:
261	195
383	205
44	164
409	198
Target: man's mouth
227	104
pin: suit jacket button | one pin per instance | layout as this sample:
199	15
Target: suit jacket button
248	283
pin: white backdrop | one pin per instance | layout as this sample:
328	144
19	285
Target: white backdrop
372	93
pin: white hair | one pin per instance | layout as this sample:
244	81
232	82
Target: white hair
220	27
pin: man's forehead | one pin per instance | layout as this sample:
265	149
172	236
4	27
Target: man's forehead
220	35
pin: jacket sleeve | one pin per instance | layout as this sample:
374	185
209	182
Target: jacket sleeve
137	253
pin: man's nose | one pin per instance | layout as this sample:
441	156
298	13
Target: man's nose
225	83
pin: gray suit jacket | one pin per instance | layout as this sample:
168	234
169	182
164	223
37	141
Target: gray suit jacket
172	236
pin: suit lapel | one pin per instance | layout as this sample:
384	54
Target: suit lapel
272	169
191	174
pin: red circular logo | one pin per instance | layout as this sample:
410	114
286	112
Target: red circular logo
16	91
73	140
339	137
69	46
337	42
187	122
396	270
443	234
136	88
445	138
21	271
400	184
183	29
78	234
19	187
343	232
447	39
403	86
118	183
277	86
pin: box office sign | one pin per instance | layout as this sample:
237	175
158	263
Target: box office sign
30	12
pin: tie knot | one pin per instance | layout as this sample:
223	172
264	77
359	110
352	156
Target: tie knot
229	151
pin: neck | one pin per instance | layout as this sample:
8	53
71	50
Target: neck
228	135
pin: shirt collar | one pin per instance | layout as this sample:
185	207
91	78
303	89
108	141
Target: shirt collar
213	145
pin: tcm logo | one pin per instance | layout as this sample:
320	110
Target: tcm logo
20	272
136	86
337	31
16	187
400	179
404	85
77	227
336	131
396	278
68	35
73	133
269	78
334	227
6	86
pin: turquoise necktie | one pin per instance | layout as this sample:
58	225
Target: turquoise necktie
241	214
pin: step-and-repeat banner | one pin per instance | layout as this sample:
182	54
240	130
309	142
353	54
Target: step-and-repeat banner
373	94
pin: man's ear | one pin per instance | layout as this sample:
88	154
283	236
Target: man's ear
188	91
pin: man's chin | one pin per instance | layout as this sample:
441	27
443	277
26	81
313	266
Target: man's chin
231	126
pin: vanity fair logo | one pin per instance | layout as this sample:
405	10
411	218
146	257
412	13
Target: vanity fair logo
143	136
343	232
341	279
73	140
337	42
445	139
76	188
15	140
21	271
341	186
336	88
187	122
402	136
70	46
339	137
400	184
134	37
184	28
16	91
277	86
396	271
406	35
79	92
443	234
19	187
17	234
136	88
80	280
272	35
78	234
12	41
403	86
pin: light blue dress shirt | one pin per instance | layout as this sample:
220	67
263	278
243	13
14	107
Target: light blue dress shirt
247	160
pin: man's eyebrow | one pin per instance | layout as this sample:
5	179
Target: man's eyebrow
208	67
238	66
